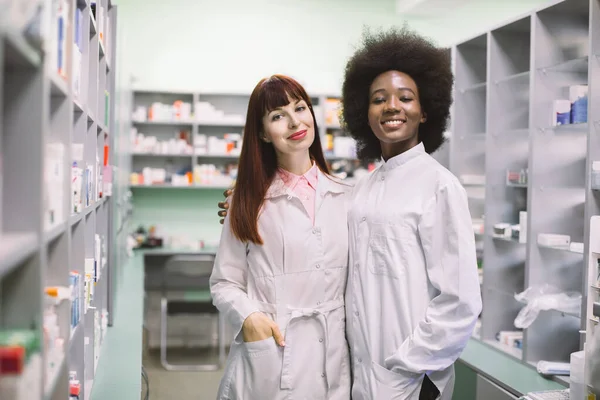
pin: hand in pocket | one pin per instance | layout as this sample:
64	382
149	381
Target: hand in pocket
257	326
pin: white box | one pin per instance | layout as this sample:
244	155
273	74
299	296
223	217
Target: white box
553	240
523	227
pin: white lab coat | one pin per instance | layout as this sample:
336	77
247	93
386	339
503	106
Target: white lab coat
298	278
413	292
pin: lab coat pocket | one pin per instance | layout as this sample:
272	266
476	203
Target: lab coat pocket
390	385
385	256
259	371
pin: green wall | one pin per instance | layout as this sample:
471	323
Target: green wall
180	212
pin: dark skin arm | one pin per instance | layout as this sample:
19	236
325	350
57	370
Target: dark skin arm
224	206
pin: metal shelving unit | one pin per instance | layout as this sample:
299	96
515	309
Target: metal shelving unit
506	80
42	115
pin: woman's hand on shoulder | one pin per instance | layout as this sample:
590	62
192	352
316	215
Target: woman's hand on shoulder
224	205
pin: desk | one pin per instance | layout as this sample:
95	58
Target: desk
184	330
119	369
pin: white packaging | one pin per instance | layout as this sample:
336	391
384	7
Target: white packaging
523	226
553	240
576	247
472	179
576	376
561	112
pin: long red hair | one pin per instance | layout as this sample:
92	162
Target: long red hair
258	160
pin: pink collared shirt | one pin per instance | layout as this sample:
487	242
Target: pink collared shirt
303	186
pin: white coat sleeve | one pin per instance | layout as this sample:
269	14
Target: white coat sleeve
228	281
446	233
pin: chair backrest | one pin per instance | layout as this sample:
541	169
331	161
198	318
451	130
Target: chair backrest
188	272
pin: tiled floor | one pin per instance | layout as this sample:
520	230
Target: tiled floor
167	385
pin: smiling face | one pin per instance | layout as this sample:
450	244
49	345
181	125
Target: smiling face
395	112
291	128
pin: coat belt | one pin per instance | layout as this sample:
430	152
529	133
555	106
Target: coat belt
319	313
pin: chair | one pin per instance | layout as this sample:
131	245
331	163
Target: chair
186	290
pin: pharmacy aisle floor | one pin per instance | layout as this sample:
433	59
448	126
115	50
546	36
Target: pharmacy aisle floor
171	385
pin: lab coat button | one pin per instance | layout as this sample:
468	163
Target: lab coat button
383	178
363	219
356	313
359	360
289	197
320	340
318	266
323	375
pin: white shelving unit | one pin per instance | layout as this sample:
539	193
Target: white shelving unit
506	81
55	103
217	126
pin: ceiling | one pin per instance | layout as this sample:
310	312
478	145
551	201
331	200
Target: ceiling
428	8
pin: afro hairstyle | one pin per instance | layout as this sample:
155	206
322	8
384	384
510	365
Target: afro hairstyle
403	50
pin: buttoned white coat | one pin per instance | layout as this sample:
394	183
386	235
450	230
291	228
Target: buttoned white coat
297	278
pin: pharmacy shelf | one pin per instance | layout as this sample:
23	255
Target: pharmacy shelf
514	352
178	187
579	64
14	249
505	81
506	239
206	124
592	293
517	185
140	154
19	52
566	249
51	117
474	87
163	123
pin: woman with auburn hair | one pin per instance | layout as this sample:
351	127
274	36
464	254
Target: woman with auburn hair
280	271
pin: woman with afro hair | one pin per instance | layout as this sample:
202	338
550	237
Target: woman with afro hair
412	296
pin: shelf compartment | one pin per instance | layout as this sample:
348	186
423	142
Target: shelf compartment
18	52
14	249
75	218
220	123
58	85
142	154
506	239
473	88
521	78
79	107
93	28
516	178
559	248
55	231
164	123
519	131
595	176
576	65
567	128
102	52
